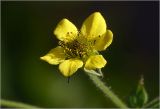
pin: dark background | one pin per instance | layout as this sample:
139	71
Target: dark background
27	34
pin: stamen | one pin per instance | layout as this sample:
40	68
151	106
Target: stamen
80	47
94	41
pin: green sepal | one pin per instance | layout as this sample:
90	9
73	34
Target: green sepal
138	96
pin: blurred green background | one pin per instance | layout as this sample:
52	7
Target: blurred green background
26	34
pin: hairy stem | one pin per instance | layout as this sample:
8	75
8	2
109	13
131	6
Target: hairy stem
106	90
154	102
14	104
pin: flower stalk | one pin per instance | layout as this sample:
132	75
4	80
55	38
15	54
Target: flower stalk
106	90
154	103
14	104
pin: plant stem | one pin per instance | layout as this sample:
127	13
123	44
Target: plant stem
106	90
153	102
14	104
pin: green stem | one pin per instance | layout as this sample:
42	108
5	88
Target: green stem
153	102
106	90
14	104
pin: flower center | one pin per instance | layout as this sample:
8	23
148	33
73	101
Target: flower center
78	48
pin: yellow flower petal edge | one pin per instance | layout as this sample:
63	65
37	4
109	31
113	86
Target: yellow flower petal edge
55	56
95	61
70	66
94	26
104	41
65	31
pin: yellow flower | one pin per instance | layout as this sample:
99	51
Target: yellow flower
80	48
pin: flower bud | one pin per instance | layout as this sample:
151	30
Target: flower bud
139	96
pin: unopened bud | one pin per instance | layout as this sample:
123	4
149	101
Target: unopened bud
138	97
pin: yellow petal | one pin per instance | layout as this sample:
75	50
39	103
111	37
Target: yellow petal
55	56
96	61
104	41
69	67
65	31
94	26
